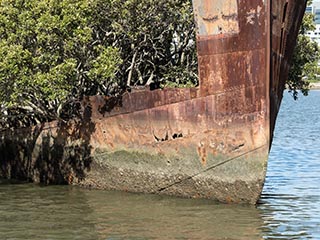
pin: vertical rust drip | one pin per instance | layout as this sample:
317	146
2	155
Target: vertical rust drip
210	142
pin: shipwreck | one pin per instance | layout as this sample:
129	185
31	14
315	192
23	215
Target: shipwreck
210	141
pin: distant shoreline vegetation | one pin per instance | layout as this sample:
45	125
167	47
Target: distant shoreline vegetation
52	53
306	57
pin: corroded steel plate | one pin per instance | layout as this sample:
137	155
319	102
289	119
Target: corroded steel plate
211	141
216	17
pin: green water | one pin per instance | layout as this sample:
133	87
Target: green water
60	212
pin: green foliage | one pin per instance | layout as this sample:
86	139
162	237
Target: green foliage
154	39
306	56
48	54
52	52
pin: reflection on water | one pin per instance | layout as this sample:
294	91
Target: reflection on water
289	207
291	197
61	212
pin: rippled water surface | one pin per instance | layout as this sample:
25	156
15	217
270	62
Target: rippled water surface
291	197
289	207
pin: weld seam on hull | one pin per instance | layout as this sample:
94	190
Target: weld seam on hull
231	90
230	52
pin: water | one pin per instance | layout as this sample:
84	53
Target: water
291	197
289	207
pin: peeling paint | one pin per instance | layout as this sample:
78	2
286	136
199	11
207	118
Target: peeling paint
216	17
210	141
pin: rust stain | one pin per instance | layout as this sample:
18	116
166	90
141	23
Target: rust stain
216	17
70	178
202	152
244	48
286	19
228	199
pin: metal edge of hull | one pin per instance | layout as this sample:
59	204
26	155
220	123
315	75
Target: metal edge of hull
209	142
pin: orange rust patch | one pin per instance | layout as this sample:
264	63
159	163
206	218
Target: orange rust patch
202	152
70	178
228	199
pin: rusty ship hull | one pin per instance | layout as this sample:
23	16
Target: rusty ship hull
210	141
